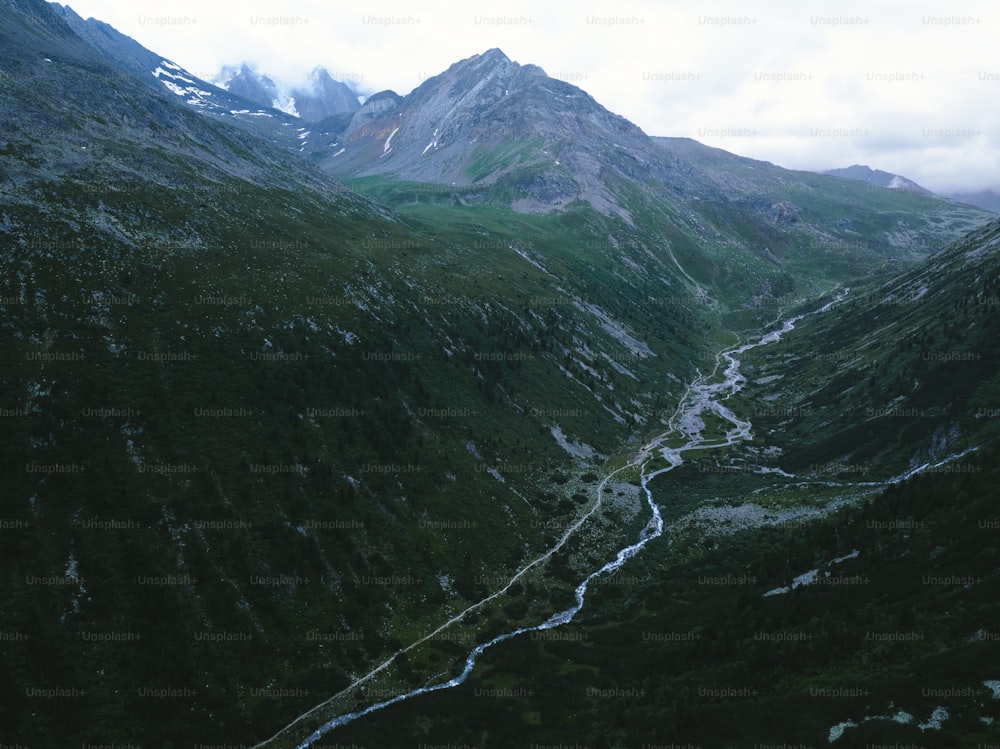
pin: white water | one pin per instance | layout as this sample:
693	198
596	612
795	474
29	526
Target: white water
701	396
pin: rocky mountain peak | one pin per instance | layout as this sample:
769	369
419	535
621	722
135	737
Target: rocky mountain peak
483	62
318	97
488	118
324	97
494	53
244	80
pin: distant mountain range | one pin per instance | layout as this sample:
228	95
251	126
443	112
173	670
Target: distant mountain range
878	178
320	98
988	200
985	199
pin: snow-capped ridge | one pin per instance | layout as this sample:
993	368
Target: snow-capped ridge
313	98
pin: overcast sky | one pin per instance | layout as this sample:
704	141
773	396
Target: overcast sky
911	87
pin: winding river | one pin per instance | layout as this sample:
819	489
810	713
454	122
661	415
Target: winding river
702	396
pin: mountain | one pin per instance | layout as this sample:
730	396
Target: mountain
324	97
321	97
985	199
238	93
83	115
487	120
489	131
810	224
263	432
988	200
246	82
877	178
839	570
260	430
125	56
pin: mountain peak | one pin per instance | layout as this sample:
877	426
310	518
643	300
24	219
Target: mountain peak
319	96
488	119
494	54
487	63
319	73
495	59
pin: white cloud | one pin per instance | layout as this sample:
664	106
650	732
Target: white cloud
903	86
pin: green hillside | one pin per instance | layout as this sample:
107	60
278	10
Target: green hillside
266	433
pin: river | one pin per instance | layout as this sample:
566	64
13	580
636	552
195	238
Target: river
701	396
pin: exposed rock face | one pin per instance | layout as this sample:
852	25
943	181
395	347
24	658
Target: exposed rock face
321	97
324	98
488	119
249	84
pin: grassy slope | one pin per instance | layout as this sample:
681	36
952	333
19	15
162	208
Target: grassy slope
689	652
362	362
684	647
904	373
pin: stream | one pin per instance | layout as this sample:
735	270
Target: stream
700	397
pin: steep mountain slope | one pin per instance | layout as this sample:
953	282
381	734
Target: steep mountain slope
71	114
126	57
907	371
835	582
260	431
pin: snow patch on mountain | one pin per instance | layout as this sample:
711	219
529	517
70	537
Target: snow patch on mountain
199	97
902	717
939	716
388	142
285	103
433	144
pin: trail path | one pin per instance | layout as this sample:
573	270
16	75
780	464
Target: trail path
686	423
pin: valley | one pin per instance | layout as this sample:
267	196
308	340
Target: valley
686	423
474	416
908	667
779	503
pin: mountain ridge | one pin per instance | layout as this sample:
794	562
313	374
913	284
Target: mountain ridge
988	200
318	98
877	178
